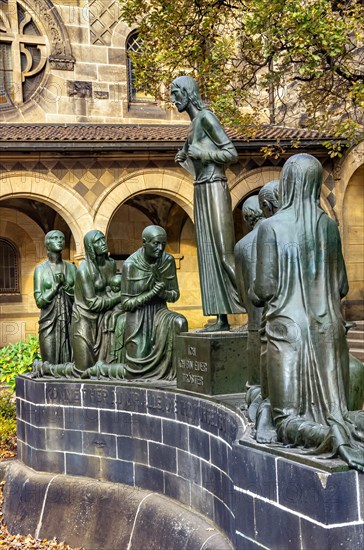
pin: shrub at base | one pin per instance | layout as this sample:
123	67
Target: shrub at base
16	359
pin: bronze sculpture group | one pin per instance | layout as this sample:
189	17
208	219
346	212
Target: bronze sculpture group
300	280
117	320
288	273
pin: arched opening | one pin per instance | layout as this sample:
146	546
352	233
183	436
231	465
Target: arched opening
124	238
353	236
24	223
129	220
45	200
44	216
178	189
240	226
9	269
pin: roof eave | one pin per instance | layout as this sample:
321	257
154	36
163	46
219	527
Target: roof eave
113	146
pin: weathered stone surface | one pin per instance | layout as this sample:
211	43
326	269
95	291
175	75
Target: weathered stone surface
212	363
101	515
195	449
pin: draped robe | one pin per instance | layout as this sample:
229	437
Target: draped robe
91	302
213	215
55	316
301	276
245	265
150	327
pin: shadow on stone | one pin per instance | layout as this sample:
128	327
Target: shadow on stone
101	515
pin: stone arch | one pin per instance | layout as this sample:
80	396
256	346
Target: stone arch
48	17
344	171
259	177
251	182
350	162
64	200
26	225
120	34
352	229
175	186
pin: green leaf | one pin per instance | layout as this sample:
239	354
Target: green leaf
16	359
306	51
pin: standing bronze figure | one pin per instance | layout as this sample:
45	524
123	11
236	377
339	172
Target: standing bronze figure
206	153
54	282
301	278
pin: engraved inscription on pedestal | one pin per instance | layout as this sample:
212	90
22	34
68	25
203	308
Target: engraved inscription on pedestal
211	364
193	371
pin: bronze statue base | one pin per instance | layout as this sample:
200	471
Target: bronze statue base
212	363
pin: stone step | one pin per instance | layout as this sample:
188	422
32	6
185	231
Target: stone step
354	343
356	340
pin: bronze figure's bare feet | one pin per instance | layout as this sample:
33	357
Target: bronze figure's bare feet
220	325
265	430
353	457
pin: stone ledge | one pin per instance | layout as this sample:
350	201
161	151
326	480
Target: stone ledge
101	515
195	449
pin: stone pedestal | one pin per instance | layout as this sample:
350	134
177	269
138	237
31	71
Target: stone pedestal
212	363
193	449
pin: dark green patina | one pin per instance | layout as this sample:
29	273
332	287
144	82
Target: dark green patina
205	154
54	282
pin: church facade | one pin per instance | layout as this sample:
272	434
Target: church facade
81	148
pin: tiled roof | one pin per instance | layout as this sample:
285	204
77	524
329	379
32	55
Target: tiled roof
122	133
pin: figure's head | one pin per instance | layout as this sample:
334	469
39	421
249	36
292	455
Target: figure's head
301	179
269	198
115	283
184	90
54	241
251	211
154	242
95	244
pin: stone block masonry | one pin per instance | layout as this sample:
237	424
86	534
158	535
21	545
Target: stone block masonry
196	450
102	515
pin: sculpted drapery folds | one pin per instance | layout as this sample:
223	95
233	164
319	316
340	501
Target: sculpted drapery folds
205	155
245	264
268	203
301	278
93	279
53	292
149	282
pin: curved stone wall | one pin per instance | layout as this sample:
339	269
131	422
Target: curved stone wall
100	515
195	450
155	439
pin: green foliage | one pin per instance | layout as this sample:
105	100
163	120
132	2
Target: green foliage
17	359
7	420
259	59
